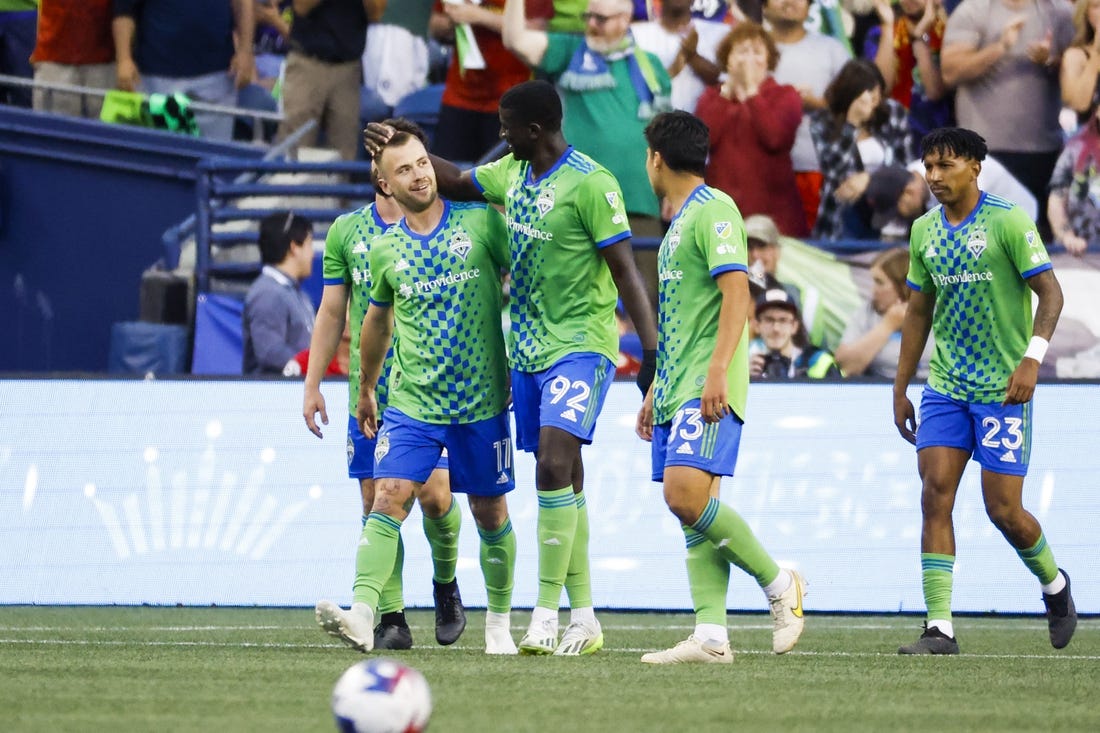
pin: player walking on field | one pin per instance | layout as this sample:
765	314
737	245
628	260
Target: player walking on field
436	290
974	262
347	278
571	260
695	410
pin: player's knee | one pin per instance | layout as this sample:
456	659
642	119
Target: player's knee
684	506
435	499
936	500
490	512
554	469
1006	516
392	497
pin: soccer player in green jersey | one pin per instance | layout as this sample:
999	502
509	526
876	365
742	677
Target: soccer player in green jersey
974	262
347	279
695	410
436	288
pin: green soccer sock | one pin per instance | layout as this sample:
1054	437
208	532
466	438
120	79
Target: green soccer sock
393	592
709	578
578	579
557	525
498	565
735	541
442	534
374	561
937	574
1039	559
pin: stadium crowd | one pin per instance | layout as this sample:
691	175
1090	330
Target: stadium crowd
814	110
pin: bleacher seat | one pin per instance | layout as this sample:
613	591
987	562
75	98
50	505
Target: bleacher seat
422	107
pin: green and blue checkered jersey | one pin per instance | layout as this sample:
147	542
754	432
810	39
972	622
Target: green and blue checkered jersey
449	364
347	262
562	294
977	272
705	239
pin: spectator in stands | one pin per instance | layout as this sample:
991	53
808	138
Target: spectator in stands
687	47
808	61
18	19
610	89
201	48
1002	57
1080	71
764	253
872	341
858	132
906	49
278	315
324	70
272	42
468	122
753	121
74	47
397	61
782	350
1074	204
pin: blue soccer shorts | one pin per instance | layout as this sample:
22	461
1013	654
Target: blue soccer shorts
361	452
688	440
482	451
569	396
998	438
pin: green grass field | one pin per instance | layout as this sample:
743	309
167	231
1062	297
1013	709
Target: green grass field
215	669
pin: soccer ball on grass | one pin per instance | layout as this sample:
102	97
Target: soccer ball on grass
381	696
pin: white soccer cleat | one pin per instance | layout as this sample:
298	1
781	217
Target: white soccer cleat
580	638
354	627
541	638
498	640
787	616
693	651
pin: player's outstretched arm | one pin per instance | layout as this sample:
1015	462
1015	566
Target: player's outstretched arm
374	341
914	335
620	260
328	327
1021	383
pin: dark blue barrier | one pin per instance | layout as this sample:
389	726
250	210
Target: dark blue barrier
83	206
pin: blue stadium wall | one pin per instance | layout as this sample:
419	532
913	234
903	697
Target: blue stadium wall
213	492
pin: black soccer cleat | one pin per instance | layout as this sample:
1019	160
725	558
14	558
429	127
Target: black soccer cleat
392	632
932	641
1061	615
450	615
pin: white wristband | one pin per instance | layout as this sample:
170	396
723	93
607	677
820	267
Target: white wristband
1037	349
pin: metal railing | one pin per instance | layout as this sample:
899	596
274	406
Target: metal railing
222	183
258	116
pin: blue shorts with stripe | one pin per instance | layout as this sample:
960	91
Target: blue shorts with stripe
688	440
361	453
569	395
410	449
997	437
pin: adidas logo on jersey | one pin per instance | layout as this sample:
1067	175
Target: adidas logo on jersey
360	249
502	478
402	264
570	415
685	450
1008	457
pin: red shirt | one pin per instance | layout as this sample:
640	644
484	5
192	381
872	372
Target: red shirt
907	62
74	32
750	152
480	90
